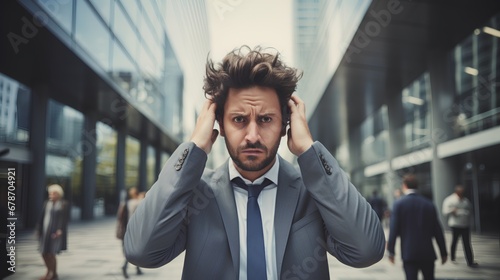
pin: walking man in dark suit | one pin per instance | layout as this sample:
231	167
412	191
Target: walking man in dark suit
257	216
415	220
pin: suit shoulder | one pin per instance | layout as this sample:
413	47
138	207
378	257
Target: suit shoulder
425	199
290	169
211	176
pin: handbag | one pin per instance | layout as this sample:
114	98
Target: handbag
122	220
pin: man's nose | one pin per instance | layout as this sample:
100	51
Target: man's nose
252	135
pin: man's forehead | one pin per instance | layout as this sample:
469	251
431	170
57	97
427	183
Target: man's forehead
242	108
253	90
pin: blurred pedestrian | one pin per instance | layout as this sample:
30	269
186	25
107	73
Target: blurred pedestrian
414	218
378	204
142	195
52	229
457	209
125	211
397	194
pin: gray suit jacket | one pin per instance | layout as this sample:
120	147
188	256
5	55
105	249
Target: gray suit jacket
317	210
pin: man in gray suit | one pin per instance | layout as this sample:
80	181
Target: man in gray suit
304	213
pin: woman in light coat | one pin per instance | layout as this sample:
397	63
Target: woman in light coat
52	229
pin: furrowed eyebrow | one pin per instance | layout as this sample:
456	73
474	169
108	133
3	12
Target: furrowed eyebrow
241	113
267	115
237	114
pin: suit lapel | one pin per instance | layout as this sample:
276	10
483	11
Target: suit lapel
287	196
225	200
286	203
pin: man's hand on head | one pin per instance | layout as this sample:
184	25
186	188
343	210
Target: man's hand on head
204	134
299	136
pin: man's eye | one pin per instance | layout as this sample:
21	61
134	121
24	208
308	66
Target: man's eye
239	119
266	119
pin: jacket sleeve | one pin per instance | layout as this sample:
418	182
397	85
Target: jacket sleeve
156	232
39	223
394	230
439	235
64	227
355	235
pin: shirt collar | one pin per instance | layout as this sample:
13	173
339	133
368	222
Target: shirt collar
409	191
271	174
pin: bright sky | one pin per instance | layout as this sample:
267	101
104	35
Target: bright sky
233	23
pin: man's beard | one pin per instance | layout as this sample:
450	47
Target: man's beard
252	166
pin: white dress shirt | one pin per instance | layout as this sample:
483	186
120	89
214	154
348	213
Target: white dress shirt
457	211
267	203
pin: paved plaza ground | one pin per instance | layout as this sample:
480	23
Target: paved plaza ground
95	253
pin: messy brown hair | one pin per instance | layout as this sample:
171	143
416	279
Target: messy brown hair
244	68
410	181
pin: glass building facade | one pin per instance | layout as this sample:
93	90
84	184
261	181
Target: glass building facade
450	136
90	98
382	120
476	73
127	39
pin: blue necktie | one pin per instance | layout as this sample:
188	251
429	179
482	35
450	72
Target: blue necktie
256	256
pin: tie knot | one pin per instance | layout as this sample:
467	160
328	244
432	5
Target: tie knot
254	189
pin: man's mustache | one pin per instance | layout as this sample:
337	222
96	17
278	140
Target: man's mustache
256	145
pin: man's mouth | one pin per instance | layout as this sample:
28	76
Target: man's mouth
252	151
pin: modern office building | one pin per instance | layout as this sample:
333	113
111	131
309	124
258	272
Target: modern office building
91	98
416	89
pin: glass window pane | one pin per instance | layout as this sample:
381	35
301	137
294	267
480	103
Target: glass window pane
61	11
476	70
146	63
148	97
125	32
415	98
124	70
150	50
92	34
132	9
374	132
104	8
106	168
151	163
132	151
150	13
15	99
64	153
